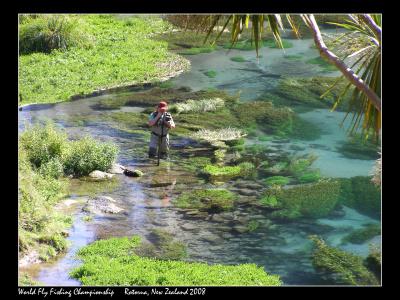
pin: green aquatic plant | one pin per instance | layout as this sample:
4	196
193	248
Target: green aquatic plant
211	73
194	106
277	180
360	148
313	200
307	91
206	200
226	170
342	267
300	163
327	67
225	134
309	177
269	201
238	59
197	50
360	236
162	246
250	113
253	225
361	194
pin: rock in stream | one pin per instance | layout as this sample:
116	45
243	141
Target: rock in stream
101	204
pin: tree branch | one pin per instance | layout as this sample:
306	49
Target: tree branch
340	65
371	24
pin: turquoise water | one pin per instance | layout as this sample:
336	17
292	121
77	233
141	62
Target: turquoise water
281	247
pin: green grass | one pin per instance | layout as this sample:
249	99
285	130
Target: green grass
113	262
123	54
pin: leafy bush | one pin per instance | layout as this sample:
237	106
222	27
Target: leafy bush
42	143
49	150
111	262
88	154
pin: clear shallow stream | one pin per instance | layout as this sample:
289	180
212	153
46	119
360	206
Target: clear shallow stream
281	247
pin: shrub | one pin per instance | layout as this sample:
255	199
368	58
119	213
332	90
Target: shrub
50	151
88	154
111	262
42	143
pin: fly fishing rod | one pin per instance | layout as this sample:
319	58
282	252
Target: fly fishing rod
160	140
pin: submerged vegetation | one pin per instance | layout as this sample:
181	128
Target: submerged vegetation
343	267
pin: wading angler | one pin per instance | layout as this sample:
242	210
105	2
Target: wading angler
160	123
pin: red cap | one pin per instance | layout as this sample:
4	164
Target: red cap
162	105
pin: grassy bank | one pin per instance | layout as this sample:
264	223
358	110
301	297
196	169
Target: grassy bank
103	53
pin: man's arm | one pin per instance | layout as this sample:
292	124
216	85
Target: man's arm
154	121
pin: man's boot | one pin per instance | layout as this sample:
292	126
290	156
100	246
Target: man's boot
152	152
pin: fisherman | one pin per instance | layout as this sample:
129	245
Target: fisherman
160	122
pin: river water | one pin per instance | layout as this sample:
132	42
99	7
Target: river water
282	248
